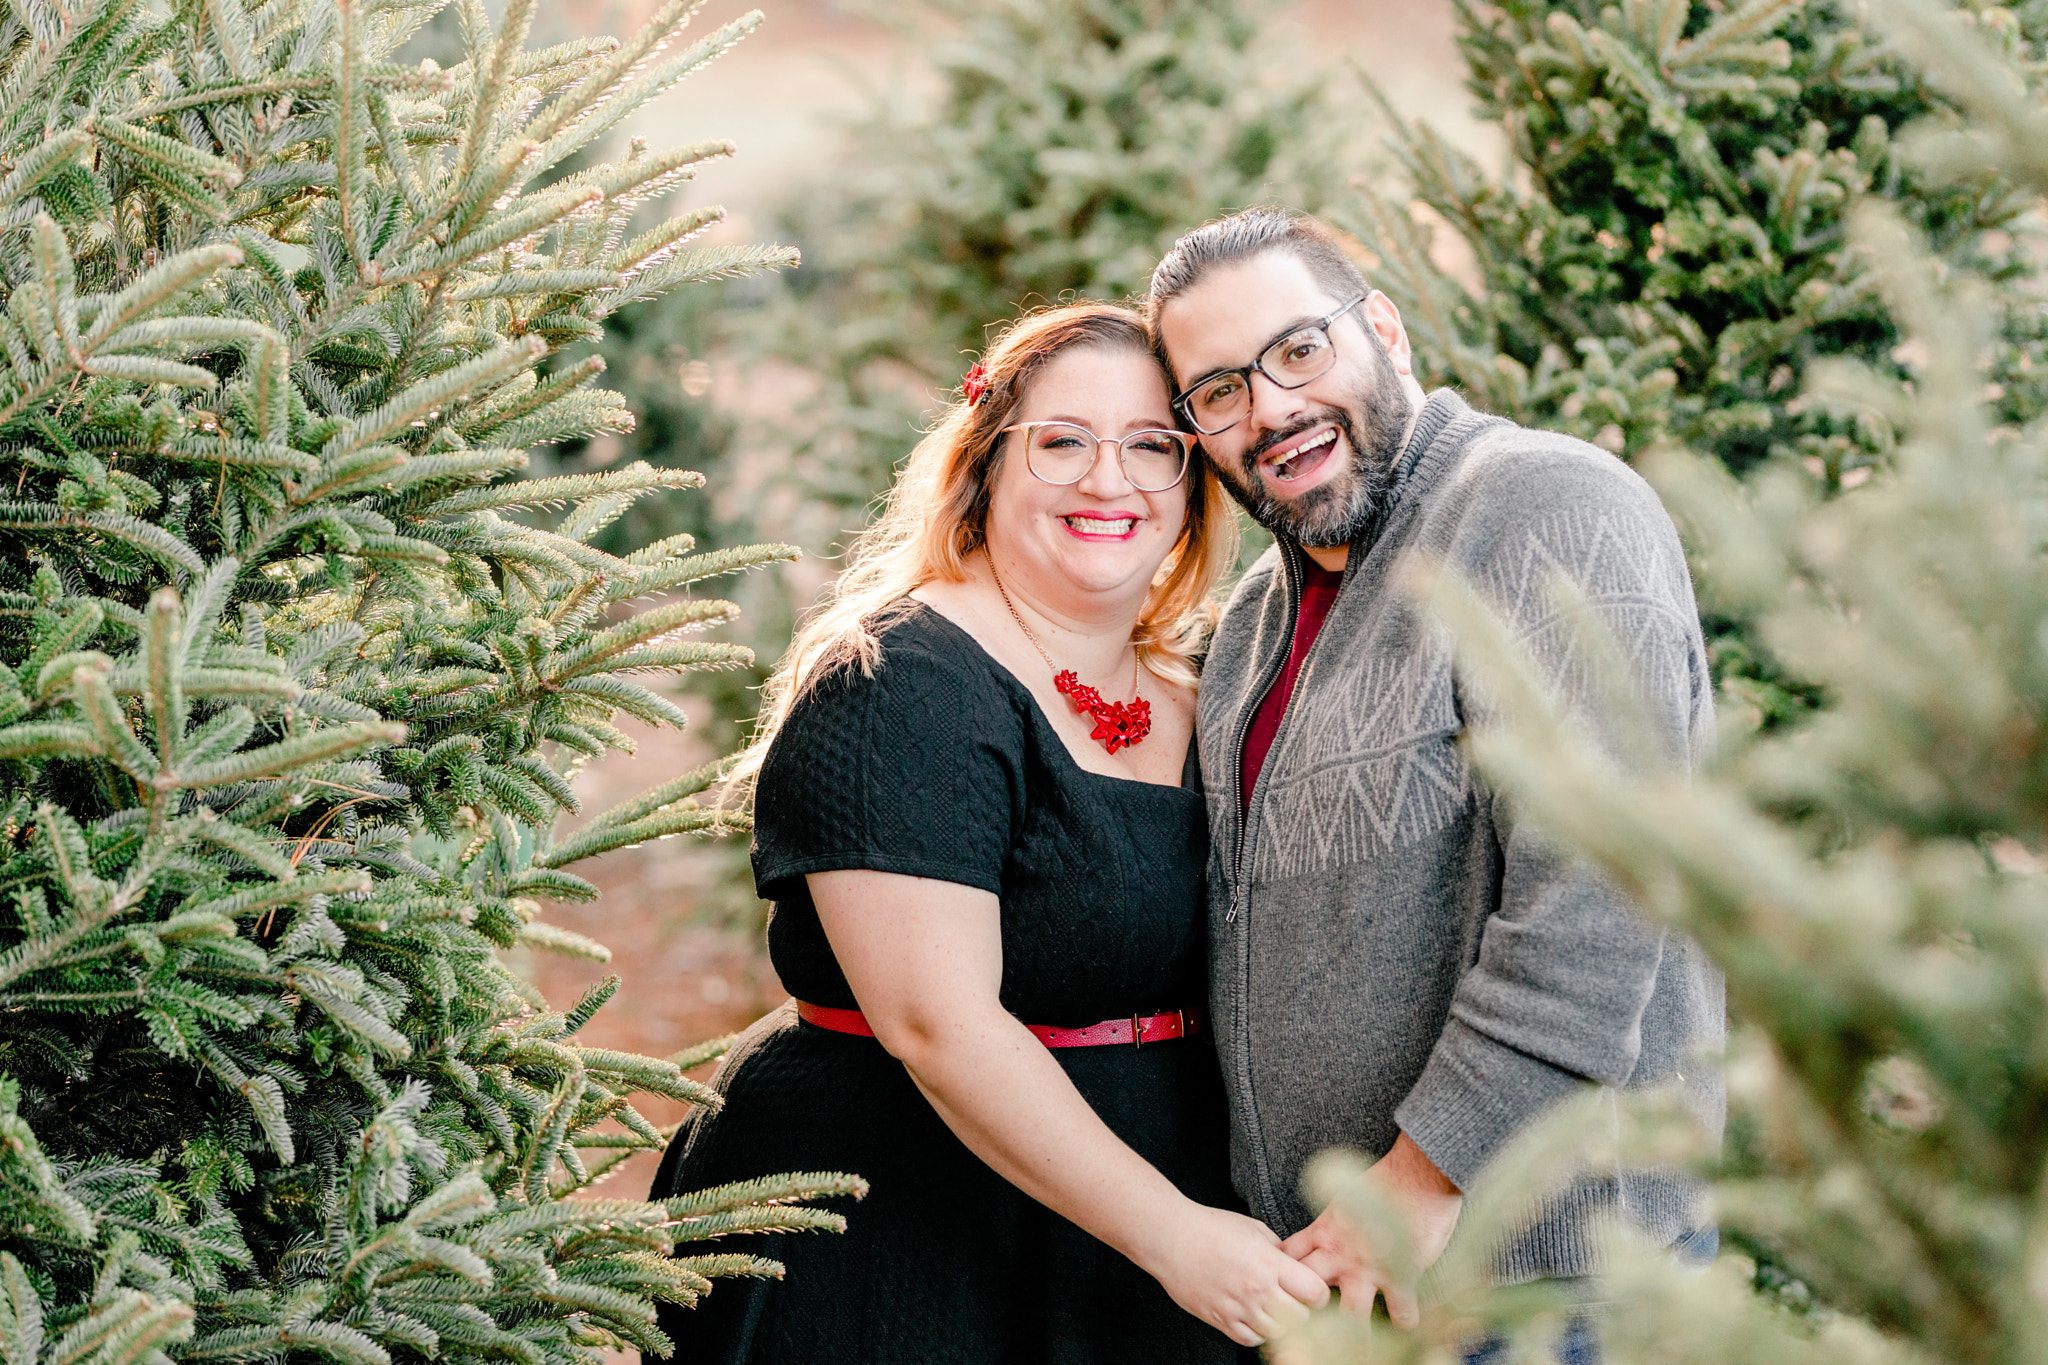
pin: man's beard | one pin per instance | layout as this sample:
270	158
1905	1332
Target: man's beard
1336	512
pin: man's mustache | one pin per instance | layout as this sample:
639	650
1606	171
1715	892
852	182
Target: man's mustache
1259	449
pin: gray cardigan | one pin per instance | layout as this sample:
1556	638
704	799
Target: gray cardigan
1391	949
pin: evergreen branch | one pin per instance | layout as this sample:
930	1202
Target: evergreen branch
630	697
96	700
155	150
680	573
730	1265
563	488
667	794
588	843
640	85
144	369
578	102
152	540
647	626
555	386
163	281
46	157
696	267
52	739
538	213
300	751
523	283
553	938
761	1219
435	394
697	1054
768	1190
631	180
294	889
268	87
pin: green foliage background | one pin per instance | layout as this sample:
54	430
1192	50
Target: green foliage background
1869	873
1672	256
289	705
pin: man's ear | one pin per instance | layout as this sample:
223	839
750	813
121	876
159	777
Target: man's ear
1385	319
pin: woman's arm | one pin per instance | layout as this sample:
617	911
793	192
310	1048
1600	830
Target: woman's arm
925	960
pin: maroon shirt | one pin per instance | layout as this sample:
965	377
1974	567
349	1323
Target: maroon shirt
1318	590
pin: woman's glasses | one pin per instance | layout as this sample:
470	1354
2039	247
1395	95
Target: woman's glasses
1219	401
1062	453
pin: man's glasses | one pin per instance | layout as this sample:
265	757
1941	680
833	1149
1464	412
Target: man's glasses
1062	453
1219	401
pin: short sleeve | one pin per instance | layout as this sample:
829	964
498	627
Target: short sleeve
913	769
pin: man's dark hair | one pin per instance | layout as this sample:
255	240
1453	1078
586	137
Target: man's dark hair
1242	237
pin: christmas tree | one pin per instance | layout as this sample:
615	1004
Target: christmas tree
1671	256
1872	880
1070	143
289	703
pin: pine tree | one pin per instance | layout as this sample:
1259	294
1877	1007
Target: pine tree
1874	880
1071	142
289	704
1670	256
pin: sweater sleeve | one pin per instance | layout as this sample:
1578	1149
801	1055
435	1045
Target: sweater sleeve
1566	964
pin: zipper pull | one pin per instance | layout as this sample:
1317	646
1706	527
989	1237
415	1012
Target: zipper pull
1236	899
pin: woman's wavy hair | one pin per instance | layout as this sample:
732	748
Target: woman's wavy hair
936	515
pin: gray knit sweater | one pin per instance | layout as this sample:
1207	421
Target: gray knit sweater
1392	950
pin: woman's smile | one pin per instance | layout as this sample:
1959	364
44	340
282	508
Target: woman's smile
1092	542
1111	526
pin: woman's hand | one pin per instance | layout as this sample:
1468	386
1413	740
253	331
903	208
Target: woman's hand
925	960
1229	1271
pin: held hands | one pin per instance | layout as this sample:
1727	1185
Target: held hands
1342	1256
1229	1271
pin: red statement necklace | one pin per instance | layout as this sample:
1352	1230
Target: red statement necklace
1118	725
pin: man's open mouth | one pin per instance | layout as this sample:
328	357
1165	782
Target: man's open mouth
1305	458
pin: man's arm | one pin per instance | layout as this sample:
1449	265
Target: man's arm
1566	964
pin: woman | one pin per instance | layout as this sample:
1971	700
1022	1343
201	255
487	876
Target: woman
968	831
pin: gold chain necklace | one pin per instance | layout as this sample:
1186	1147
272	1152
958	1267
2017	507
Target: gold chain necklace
1118	725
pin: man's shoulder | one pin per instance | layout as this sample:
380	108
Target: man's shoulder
1520	479
1521	470
1524	505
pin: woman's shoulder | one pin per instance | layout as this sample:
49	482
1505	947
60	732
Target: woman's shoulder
926	676
916	649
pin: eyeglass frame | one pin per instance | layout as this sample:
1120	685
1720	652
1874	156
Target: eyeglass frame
1258	365
1187	452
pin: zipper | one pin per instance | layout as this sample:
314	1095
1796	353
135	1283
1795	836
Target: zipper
1244	726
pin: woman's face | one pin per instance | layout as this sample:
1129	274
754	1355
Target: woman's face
1101	537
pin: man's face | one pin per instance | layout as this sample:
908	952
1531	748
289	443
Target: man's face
1312	463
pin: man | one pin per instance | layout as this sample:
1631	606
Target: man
1399	964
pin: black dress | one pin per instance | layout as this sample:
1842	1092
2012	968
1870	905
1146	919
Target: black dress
941	765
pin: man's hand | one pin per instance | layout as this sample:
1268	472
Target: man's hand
1347	1261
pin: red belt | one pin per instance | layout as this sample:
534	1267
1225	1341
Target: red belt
1137	1029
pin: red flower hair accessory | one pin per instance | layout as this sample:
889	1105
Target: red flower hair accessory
974	384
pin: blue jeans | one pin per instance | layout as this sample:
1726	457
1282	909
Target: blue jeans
1580	1345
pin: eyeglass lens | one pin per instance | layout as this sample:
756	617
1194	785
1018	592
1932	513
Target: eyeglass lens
1290	362
1060	453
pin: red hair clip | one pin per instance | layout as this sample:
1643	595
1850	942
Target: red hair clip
974	384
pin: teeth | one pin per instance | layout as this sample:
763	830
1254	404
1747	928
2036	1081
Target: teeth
1095	526
1283	470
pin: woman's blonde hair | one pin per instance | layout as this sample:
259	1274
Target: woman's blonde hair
936	515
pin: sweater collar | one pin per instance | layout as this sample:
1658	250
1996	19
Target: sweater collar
1440	408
